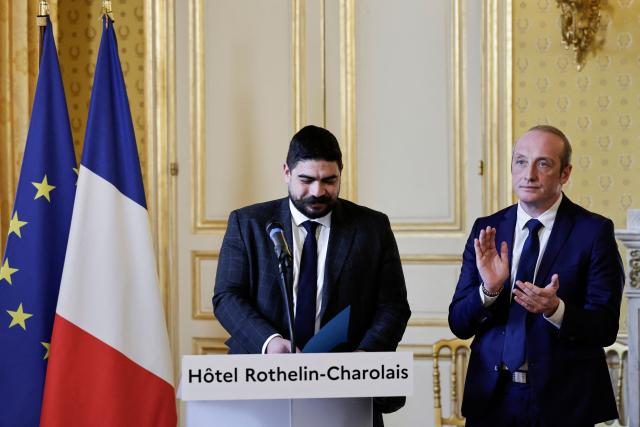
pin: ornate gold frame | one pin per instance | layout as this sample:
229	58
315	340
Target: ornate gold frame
349	126
206	345
196	258
160	117
200	223
497	91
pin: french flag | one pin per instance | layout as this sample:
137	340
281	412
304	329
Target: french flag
110	362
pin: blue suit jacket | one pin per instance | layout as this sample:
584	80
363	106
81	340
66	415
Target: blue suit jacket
362	270
567	368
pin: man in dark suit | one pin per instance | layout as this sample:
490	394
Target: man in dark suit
355	261
542	305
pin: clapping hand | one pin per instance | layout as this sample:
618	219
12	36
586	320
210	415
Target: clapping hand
538	300
493	266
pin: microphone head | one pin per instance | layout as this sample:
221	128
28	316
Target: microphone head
275	230
274	227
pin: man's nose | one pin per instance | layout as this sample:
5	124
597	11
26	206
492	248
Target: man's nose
317	189
531	173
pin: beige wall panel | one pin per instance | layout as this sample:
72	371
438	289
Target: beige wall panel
312	48
234	118
247	102
203	275
333	64
430	298
404	60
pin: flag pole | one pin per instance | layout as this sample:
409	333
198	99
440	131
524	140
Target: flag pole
43	12
106	9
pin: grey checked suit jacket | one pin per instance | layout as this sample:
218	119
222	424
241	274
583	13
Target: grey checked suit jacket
362	270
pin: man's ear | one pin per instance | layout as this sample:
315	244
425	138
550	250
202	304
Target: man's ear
286	172
565	174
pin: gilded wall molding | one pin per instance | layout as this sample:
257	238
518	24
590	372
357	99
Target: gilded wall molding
200	222
207	345
196	259
420	351
429	322
298	49
197	120
348	110
323	60
160	125
456	226
430	259
497	94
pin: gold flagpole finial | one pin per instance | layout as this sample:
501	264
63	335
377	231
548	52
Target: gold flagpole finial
41	19
43	12
106	9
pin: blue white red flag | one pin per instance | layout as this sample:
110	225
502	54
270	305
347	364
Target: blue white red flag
110	362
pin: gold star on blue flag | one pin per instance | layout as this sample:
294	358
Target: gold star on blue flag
31	266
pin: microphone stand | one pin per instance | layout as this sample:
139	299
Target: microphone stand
284	263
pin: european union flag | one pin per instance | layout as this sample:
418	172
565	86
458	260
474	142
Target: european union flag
31	268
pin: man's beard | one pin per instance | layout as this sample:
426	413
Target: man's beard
304	205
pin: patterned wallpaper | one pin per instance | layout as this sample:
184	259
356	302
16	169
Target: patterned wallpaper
79	30
598	108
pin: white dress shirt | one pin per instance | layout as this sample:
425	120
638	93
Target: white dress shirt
521	233
299	233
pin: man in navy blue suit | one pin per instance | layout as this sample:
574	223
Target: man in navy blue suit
540	291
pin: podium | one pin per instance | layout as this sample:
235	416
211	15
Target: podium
310	390
347	412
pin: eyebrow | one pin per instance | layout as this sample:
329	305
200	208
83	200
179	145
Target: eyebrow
518	155
326	178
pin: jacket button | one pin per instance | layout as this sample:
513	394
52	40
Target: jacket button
496	367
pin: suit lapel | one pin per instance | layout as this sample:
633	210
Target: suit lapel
504	233
340	241
560	232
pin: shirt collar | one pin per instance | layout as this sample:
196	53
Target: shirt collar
547	218
299	217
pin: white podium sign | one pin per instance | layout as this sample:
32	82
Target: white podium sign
293	376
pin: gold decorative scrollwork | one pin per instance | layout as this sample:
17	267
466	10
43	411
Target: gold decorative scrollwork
634	273
580	20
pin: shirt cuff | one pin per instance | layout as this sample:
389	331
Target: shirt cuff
266	343
486	300
556	318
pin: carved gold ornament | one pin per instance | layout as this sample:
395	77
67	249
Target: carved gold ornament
579	21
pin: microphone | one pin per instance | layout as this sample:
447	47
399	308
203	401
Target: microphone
276	232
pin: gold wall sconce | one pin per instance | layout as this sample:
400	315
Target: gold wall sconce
580	20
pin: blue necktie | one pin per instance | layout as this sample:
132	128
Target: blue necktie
307	287
515	341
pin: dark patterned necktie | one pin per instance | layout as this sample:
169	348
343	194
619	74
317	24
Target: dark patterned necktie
515	342
307	286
